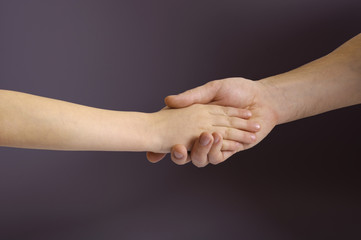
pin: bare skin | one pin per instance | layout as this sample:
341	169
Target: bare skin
328	83
29	121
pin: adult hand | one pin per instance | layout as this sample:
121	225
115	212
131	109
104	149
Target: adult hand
235	92
325	84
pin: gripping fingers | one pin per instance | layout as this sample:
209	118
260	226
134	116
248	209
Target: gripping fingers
155	157
217	154
179	155
227	154
201	147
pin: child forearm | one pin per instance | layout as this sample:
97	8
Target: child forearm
29	121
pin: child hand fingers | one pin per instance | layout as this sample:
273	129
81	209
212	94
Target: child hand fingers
238	123
237	135
233	112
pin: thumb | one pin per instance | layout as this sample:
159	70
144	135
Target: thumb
202	94
155	157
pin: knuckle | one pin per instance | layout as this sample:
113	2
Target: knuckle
231	121
235	122
227	133
226	110
222	133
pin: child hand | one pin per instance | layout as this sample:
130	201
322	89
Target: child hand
184	125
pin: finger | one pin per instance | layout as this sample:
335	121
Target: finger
201	94
232	112
231	146
199	153
179	154
237	135
227	154
155	157
215	155
238	123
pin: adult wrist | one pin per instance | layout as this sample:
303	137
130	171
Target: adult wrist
274	94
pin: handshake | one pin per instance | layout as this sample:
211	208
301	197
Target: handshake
251	109
226	115
212	121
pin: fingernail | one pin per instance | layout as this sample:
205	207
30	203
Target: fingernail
249	114
178	155
204	140
257	126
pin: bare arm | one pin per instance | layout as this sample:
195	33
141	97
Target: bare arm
328	83
29	121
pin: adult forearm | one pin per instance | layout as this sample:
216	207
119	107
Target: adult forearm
328	83
29	121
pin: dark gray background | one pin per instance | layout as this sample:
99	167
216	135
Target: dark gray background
302	182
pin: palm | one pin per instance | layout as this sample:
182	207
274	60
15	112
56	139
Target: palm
243	93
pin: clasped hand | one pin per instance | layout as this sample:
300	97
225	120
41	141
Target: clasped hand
211	147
